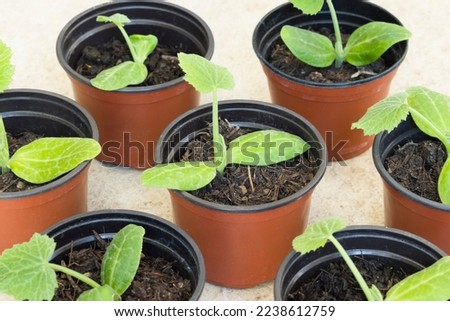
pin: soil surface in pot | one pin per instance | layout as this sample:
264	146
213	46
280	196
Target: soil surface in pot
282	59
162	63
8	181
416	166
155	280
335	282
249	185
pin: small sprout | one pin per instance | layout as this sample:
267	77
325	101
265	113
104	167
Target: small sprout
260	148
429	284
429	110
365	45
128	72
27	274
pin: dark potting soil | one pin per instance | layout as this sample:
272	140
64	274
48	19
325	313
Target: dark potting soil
335	282
282	59
416	166
162	63
8	181
249	185
155	280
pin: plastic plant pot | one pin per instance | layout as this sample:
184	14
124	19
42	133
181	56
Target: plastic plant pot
404	209
399	248
242	245
162	239
131	119
331	108
49	115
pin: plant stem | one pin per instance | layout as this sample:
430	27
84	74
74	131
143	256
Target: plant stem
75	274
353	268
218	142
129	43
337	32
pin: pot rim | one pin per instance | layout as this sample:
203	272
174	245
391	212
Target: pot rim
144	216
69	175
387	178
233	209
135	89
359	231
269	66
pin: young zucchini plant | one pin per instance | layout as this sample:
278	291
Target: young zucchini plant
259	148
45	158
27	274
365	45
429	284
128	72
431	113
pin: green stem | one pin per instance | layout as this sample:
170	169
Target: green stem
129	43
218	141
353	268
75	274
338	45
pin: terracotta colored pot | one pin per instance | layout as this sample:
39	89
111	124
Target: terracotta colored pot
130	120
242	245
401	249
332	108
51	115
404	209
162	239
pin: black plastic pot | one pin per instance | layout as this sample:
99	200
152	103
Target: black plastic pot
48	115
234	239
404	209
399	248
162	239
131	119
331	107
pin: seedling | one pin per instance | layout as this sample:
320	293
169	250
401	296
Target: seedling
429	284
259	148
429	110
27	274
365	45
128	72
45	158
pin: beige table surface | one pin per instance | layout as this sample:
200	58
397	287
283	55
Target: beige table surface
351	190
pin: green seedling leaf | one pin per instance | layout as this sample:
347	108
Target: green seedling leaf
6	68
430	111
183	176
384	115
118	19
122	257
317	235
101	293
48	158
4	149
204	75
144	46
429	284
312	48
128	72
121	76
265	147
444	183
310	7
367	43
24	272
